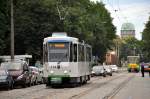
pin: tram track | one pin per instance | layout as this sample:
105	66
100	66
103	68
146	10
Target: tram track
118	88
77	96
33	90
91	83
68	89
41	92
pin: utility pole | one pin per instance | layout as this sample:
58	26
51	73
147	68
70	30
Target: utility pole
134	51
12	32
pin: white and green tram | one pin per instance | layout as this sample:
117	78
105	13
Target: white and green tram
66	60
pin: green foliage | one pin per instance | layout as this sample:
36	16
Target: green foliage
36	19
130	47
146	41
4	26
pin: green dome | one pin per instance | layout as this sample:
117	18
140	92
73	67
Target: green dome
127	26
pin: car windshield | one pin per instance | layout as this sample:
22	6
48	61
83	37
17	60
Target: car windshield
113	66
9	66
98	67
33	69
106	67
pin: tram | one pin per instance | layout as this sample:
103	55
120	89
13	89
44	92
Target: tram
133	63
66	60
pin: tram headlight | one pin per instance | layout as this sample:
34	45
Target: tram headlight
65	72
51	72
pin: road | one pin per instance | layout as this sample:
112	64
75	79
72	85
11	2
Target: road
118	86
137	88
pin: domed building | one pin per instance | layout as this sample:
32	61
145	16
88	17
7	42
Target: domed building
127	30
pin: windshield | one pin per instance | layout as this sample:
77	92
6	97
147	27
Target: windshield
133	59
106	67
114	66
33	69
58	52
9	66
97	67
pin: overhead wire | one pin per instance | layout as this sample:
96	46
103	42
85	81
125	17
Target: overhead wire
113	9
119	9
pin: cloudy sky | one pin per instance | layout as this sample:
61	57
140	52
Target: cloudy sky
134	11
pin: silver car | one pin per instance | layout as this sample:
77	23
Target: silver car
6	79
37	75
114	68
108	70
98	70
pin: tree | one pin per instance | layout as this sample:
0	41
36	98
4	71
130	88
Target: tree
130	47
146	41
4	26
37	19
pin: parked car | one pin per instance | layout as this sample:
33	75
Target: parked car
98	70
37	75
41	74
114	68
34	73
108	70
6	79
147	67
19	70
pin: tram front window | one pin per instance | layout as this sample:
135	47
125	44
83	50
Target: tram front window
58	52
133	60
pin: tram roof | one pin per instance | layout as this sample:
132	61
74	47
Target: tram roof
61	39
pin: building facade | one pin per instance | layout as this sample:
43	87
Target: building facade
127	30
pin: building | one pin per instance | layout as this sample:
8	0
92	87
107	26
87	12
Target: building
127	30
111	58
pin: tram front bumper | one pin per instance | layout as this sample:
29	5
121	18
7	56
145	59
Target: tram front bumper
58	79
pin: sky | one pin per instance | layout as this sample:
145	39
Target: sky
133	11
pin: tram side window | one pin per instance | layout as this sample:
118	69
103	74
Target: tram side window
88	54
75	53
81	53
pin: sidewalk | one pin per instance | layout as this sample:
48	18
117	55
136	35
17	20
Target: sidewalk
137	88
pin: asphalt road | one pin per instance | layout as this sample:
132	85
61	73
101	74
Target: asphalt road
121	85
137	88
